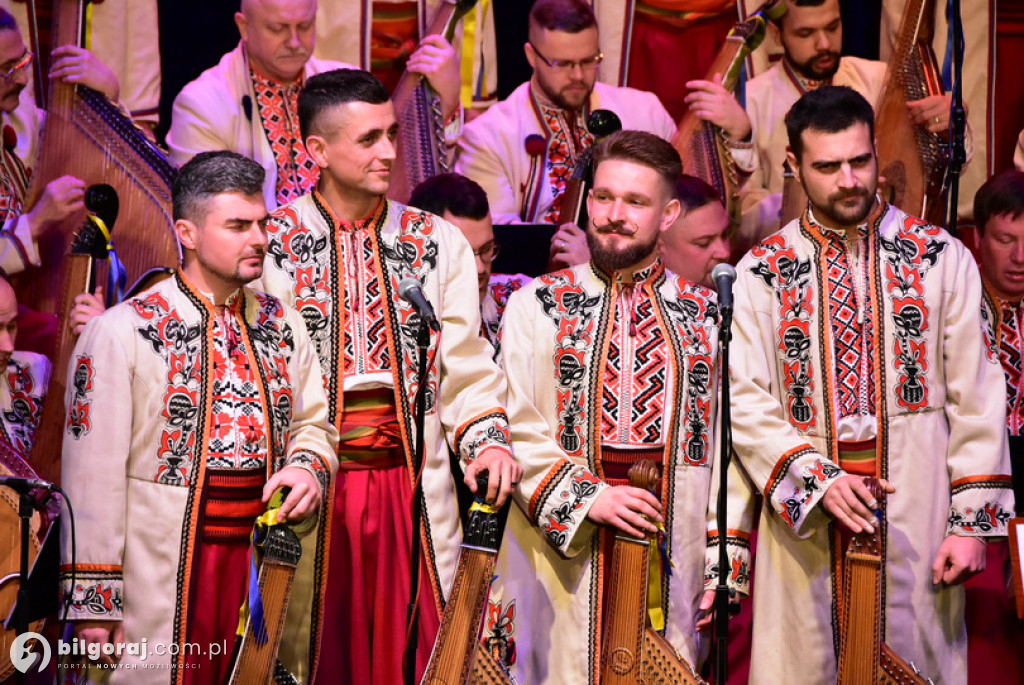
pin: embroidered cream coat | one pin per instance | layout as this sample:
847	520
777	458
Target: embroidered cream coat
555	344
940	404
139	399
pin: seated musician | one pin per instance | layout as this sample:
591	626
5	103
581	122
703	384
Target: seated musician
625	338
248	102
859	352
63	197
188	406
463	202
999	213
698	240
24	381
811	34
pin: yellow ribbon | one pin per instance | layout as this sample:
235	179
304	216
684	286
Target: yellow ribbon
266	519
654	610
484	507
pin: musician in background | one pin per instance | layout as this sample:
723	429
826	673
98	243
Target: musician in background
24	380
523	150
623	338
463	202
858	332
338	255
207	396
999	211
63	197
811	34
248	102
698	240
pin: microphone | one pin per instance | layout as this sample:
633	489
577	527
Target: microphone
723	275
410	290
19	484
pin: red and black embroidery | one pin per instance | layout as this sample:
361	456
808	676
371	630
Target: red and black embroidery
789	277
498	634
297	173
564	300
567	136
79	421
21	419
1006	319
907	258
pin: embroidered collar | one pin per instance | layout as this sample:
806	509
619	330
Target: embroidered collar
872	219
631	276
369	221
233	302
998	299
257	76
802	83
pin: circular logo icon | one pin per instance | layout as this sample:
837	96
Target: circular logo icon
24	658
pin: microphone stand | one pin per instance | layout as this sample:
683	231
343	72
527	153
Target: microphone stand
957	116
721	606
412	616
20	620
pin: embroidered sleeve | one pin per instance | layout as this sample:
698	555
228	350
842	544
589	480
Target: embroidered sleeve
560	503
18	248
94	465
977	455
739	522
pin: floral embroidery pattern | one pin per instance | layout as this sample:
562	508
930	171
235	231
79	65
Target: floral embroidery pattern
79	421
21	420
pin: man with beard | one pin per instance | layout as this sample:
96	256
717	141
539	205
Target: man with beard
523	150
857	334
340	254
189	405
615	361
811	34
248	102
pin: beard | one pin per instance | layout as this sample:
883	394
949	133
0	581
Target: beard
565	98
613	259
808	70
846	216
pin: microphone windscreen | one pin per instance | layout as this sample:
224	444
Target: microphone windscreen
535	145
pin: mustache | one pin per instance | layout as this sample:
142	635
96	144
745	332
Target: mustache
616	227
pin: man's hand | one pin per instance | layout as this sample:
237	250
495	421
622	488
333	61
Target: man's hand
852	504
931	112
503	474
61	199
959	558
435	60
704	611
710	101
101	633
304	499
625	508
87	307
568	247
72	64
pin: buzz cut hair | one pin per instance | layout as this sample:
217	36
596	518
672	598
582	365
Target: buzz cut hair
332	88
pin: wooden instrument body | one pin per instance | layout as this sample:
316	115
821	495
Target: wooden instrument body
11	464
913	173
864	658
421	150
631	651
88	137
256	663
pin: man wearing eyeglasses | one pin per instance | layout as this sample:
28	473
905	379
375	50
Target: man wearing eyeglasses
62	197
461	201
523	150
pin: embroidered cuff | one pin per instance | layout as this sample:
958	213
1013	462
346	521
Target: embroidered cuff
315	464
737	547
560	504
97	594
483	432
797	484
981	506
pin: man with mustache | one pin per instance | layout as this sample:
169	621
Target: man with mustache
859	352
523	150
248	102
189	405
811	34
339	254
615	361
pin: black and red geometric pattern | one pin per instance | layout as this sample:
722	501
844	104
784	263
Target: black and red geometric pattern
1011	353
277	103
567	137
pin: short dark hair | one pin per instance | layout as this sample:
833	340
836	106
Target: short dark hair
7	21
338	87
1001	195
571	16
641	147
453	192
694	193
829	109
796	3
213	173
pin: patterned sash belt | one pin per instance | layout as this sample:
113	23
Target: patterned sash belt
616	461
371	437
859	458
232	502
